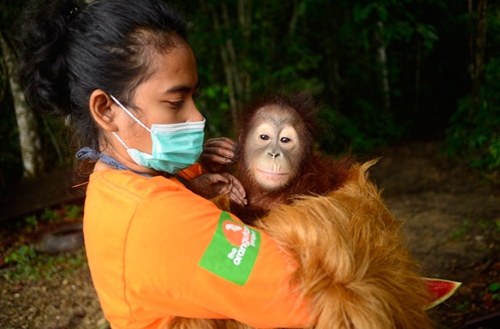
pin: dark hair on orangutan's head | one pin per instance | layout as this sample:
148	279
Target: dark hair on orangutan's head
70	48
302	103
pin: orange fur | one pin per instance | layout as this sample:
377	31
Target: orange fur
185	323
351	260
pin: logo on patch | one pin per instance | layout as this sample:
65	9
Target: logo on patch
241	237
233	250
233	232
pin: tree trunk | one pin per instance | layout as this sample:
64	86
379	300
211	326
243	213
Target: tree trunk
417	74
482	28
477	42
334	79
245	13
297	6
28	130
238	80
382	59
228	71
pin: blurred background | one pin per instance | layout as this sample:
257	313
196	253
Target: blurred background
417	81
387	72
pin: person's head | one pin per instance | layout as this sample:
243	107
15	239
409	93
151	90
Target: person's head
75	55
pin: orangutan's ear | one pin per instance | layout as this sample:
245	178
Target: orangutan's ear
103	110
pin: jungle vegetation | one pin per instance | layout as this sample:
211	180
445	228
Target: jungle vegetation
386	71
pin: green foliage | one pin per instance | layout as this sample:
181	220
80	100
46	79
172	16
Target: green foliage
22	256
73	211
463	306
329	39
24	260
494	287
459	234
50	215
69	212
329	46
474	134
31	223
340	134
29	265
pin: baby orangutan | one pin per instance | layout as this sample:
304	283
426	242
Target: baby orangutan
276	162
351	260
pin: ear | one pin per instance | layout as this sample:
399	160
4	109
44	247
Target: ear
101	108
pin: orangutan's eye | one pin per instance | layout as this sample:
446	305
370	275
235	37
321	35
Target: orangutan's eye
285	140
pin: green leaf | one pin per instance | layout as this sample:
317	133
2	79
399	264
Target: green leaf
462	306
495	151
362	13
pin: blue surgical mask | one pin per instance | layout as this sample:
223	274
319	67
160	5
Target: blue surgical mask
175	146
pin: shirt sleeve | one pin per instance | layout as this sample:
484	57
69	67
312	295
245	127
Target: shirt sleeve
191	172
185	257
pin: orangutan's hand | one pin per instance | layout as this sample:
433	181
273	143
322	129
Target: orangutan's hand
217	154
211	185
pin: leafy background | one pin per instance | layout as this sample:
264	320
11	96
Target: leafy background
386	72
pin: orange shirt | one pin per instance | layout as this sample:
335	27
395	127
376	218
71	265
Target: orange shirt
156	250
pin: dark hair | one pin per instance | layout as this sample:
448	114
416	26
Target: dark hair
303	103
69	48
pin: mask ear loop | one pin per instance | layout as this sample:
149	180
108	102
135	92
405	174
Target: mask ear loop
180	178
120	140
128	112
130	115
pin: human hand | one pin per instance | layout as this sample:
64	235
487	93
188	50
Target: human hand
217	154
211	185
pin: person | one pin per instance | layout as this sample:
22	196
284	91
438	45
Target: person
124	74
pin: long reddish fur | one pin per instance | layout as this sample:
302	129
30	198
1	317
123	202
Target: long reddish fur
352	262
315	174
352	259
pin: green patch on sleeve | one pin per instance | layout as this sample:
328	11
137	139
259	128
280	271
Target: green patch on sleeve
232	251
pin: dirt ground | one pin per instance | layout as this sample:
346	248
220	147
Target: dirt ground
450	218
